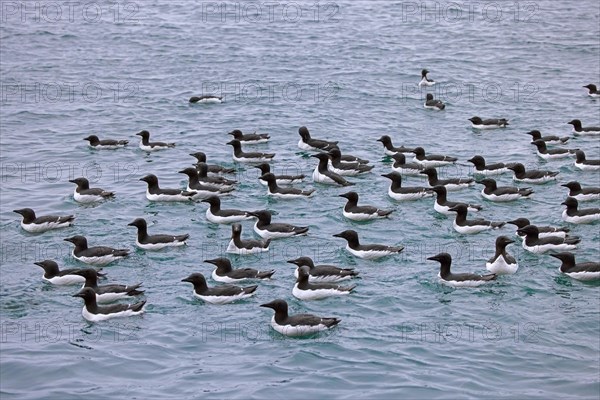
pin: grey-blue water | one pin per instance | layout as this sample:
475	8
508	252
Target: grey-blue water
348	71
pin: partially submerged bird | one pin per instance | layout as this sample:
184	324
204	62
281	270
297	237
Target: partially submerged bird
458	280
299	324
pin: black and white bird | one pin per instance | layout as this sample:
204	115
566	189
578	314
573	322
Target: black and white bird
582	193
248	157
550	154
492	192
390	149
212	168
206	99
502	263
397	192
237	245
323	273
322	174
94	313
155	242
216	215
219	181
345	168
349	158
584	164
538	245
105	144
249	138
147	145
366	251
54	275
268	230
361	213
425	81
450	184
304	289
481	168
222	294
575	215
403	168
551	139
284	192
592	90
306	142
83	193
471	226
543	231
224	272
155	193
202	190
299	324
111	292
96	255
280	179
432	104
458	280
490	123
34	224
443	205
531	176
578	129
585	271
432	160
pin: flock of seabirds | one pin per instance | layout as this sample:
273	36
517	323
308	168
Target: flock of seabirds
207	183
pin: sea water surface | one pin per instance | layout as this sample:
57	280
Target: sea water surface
348	70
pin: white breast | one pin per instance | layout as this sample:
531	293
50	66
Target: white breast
360	217
304	146
502	198
158	246
318	177
584	276
586	167
368	255
223	299
65	280
86	198
316	294
580	220
99	261
459	284
501	267
408	196
233	249
469	230
46	226
164	197
298	330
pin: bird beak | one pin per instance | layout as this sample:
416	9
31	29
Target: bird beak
337	235
433	258
520	231
77	295
68	240
38	263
